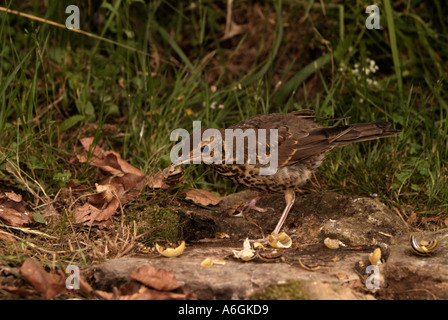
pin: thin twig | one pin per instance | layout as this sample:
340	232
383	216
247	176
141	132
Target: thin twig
29	16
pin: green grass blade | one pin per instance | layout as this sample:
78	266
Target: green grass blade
299	77
174	45
393	44
13	74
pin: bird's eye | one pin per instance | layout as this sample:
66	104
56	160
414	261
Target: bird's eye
204	148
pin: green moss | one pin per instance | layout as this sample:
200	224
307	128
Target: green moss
164	223
292	290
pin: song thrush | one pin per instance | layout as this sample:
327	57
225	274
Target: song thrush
302	147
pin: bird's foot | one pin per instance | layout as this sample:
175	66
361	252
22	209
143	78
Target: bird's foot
241	208
251	206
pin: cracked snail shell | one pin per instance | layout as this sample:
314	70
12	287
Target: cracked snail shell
424	248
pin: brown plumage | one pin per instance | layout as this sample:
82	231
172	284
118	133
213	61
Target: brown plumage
302	147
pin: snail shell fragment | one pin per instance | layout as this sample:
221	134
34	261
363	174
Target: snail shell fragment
247	253
235	209
258	246
171	252
221	235
172	175
269	256
375	256
279	240
307	267
424	248
332	243
207	262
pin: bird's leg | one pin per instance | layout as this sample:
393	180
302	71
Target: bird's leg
252	205
290	196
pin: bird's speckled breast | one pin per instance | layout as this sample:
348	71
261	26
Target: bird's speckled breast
248	176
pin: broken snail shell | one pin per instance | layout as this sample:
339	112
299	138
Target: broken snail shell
258	246
207	262
172	175
424	248
221	235
279	240
332	243
269	256
375	256
307	267
233	210
171	252
247	253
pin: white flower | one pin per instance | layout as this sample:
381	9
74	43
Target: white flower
369	70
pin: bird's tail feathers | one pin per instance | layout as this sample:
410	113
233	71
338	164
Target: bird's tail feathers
361	132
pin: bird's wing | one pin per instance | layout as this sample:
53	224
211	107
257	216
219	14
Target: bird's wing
323	139
287	135
300	138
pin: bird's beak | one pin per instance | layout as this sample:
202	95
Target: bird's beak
181	162
188	160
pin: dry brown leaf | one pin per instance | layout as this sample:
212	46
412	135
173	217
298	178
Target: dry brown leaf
13	196
159	279
90	215
104	295
108	161
202	197
5	236
106	193
412	218
22	292
14	218
132	186
100	206
97	151
76	187
124	186
145	293
166	178
135	291
128	180
13	211
162	283
113	158
156	181
48	284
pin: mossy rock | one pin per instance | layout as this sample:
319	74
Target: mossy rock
292	290
161	223
308	290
